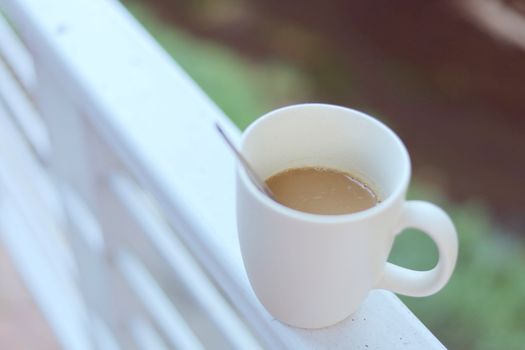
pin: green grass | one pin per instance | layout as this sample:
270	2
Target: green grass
242	89
483	306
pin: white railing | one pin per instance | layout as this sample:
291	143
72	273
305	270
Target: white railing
117	196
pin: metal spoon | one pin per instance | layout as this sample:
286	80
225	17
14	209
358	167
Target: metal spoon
261	185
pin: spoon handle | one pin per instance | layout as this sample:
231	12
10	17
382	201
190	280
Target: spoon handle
257	181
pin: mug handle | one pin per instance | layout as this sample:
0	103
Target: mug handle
437	225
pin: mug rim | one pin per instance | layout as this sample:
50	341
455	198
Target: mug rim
399	190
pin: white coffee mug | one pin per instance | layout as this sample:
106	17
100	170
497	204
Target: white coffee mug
311	270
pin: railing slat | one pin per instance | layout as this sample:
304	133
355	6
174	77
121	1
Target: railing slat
173	324
27	230
146	336
103	337
156	245
25	178
23	113
15	54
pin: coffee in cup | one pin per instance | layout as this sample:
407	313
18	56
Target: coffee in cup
320	190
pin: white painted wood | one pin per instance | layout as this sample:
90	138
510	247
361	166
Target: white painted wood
167	316
77	175
37	276
160	248
33	230
31	234
17	79
160	126
15	54
23	174
23	113
146	336
103	336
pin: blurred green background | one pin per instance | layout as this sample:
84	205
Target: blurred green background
250	72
